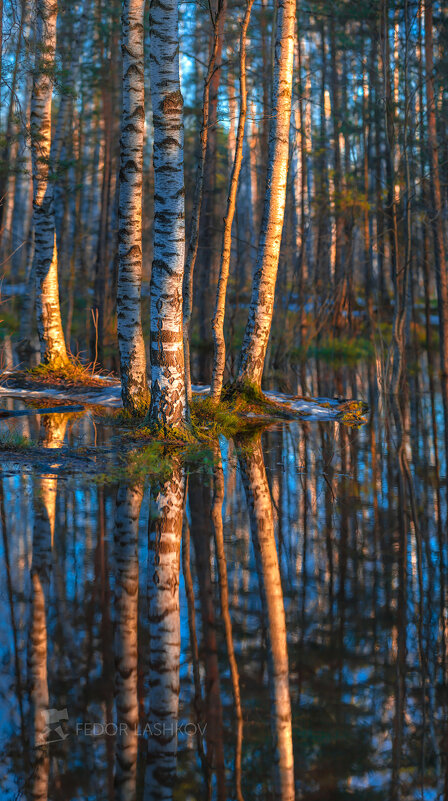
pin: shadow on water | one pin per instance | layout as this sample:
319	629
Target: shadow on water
269	626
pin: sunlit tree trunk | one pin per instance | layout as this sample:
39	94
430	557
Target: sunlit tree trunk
258	326
168	398
48	312
164	539
129	500
262	527
134	387
219	358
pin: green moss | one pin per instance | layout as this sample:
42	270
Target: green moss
154	461
240	410
172	435
140	406
209	420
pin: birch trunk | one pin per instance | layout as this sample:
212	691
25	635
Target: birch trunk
129	501
219	359
134	385
258	326
165	533
168	399
49	326
262	527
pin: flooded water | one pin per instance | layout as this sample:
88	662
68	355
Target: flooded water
269	625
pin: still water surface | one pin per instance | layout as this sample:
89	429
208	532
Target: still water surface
272	625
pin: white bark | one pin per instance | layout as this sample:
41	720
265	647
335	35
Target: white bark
168	397
129	501
262	528
48	312
134	385
258	325
165	533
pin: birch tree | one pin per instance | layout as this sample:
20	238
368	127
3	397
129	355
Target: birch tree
219	358
168	398
258	325
164	538
49	326
134	387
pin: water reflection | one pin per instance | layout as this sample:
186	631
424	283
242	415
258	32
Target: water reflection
164	541
250	458
129	501
274	626
52	432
